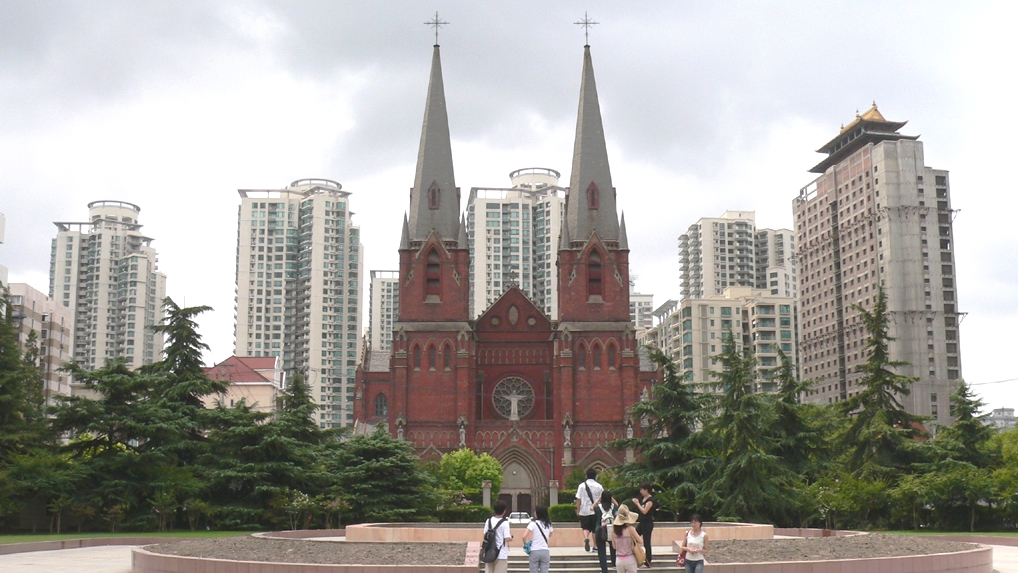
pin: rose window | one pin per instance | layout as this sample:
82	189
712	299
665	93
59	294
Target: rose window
513	398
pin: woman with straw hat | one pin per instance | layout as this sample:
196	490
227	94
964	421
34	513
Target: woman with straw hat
627	542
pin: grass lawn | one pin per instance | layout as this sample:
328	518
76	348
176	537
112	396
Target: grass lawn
28	537
992	533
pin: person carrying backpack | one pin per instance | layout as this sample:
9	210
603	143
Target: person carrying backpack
537	535
605	511
586	498
494	548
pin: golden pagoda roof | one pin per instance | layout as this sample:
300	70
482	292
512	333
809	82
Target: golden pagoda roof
872	114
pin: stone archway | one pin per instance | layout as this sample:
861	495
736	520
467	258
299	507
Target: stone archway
523	482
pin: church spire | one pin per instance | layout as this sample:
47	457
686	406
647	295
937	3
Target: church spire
404	240
591	197
434	200
623	237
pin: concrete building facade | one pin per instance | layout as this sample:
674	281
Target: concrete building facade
513	235
105	272
299	287
383	309
694	333
52	323
878	216
641	309
1002	418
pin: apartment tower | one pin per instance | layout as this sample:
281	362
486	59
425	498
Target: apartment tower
383	306
877	215
721	252
33	311
299	267
105	271
513	235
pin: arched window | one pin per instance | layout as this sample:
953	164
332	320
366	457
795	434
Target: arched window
595	357
432	358
593	201
594	274
381	406
417	358
433	275
611	356
434	195
447	357
581	357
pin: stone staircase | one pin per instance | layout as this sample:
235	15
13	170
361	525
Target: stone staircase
572	562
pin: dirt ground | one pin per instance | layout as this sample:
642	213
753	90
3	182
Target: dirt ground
823	548
247	548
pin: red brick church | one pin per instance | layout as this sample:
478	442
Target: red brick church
541	396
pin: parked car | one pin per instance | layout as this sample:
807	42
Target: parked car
519	517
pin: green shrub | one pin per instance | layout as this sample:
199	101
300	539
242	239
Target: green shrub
472	513
562	512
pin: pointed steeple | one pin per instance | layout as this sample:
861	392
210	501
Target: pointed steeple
434	200
623	238
404	241
591	204
463	241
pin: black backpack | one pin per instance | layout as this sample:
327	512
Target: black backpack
490	551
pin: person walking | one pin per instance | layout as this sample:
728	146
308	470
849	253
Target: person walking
646	505
695	545
538	533
624	537
587	495
605	512
503	535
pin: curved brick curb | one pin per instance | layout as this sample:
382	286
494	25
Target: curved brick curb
977	560
664	533
12	548
143	561
307	534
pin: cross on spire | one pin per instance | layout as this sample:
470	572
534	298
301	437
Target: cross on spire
436	23
586	22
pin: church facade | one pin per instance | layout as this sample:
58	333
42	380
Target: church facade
543	397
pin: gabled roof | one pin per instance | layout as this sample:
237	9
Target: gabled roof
514	316
237	369
259	362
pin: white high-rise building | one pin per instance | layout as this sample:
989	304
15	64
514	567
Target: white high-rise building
383	306
721	252
299	268
513	234
3	269
32	310
641	308
105	271
877	215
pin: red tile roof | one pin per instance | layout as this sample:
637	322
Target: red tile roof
258	362
237	369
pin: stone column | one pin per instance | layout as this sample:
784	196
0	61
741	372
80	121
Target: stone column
552	492
486	493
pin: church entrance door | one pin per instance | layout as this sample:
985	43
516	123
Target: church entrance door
517	484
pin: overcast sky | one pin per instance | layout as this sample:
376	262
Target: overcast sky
707	106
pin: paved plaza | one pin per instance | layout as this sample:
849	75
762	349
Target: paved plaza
118	560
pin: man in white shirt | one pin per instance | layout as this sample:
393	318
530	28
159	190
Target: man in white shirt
503	536
587	495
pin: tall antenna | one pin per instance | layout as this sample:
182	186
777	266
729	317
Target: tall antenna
436	23
586	22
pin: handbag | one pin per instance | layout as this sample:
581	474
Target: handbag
638	552
681	559
526	546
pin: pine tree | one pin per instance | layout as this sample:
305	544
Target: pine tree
22	420
968	438
667	445
880	439
750	481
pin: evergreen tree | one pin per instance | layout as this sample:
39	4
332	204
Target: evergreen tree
668	447
382	479
880	439
799	442
968	438
750	481
22	420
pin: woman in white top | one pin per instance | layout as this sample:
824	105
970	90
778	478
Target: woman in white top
695	545
538	533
